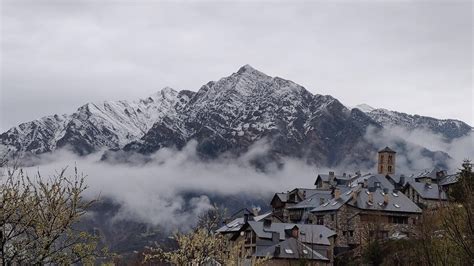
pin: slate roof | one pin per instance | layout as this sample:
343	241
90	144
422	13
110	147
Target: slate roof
387	149
397	179
233	226
262	216
308	191
428	191
397	202
282	196
314	200
432	174
236	224
334	204
449	179
382	179
338	178
371	179
291	248
324	177
309	233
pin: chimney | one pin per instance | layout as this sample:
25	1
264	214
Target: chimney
332	177
304	194
354	194
267	223
277	251
371	197
246	218
440	174
385	196
337	193
344	174
402	180
295	232
255	211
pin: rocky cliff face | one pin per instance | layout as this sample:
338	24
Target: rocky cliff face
224	116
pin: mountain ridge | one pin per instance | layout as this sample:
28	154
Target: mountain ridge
227	115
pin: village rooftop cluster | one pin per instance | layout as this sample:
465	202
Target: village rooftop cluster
340	213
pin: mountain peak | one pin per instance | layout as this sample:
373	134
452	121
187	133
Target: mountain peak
246	68
249	70
365	108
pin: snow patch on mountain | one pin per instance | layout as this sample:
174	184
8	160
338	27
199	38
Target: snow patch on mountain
109	124
364	107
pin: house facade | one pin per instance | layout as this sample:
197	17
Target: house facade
366	212
284	243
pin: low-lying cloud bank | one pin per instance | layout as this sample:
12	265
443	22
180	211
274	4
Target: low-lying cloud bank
154	192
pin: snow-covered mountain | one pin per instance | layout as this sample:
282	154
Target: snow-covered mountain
224	116
234	112
449	128
363	107
94	126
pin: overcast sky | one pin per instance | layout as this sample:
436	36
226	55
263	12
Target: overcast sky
409	56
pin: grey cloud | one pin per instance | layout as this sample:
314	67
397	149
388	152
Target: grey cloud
57	55
154	192
413	159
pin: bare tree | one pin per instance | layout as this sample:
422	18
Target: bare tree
211	219
37	218
458	216
203	246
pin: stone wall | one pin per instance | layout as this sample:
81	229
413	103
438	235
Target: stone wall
354	226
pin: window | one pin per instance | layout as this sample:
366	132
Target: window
398	219
332	217
389	168
381	159
344	233
351	232
381	168
320	219
378	234
390	159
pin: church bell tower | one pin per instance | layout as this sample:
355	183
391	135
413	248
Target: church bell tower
386	165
